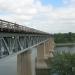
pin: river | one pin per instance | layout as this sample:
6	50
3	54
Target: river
8	65
67	48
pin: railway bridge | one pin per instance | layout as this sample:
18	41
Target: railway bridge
23	49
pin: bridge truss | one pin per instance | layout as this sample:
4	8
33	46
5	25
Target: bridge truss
15	37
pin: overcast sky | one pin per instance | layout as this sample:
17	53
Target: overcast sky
48	15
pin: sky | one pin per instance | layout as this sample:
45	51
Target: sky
53	16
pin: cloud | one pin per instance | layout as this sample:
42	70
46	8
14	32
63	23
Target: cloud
19	9
34	14
52	19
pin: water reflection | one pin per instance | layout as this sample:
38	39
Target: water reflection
65	49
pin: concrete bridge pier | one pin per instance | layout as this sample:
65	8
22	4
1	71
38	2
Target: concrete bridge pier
45	49
26	62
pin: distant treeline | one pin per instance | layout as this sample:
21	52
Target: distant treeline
64	37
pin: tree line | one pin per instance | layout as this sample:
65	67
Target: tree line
64	37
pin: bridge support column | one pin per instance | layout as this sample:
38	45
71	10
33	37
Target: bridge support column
26	62
40	51
40	56
44	51
49	46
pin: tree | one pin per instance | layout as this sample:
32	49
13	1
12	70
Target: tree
64	37
62	64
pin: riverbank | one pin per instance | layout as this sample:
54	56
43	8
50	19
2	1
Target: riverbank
64	44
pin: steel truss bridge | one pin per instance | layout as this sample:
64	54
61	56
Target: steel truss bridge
20	40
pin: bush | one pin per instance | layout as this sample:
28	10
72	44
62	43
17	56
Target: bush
62	64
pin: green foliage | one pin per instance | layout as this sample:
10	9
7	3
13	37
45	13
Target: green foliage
64	37
62	64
